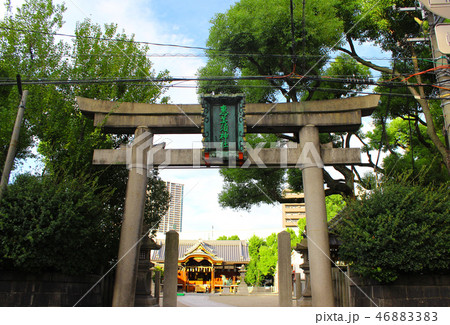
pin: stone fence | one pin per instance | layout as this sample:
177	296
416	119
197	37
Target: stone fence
407	291
51	289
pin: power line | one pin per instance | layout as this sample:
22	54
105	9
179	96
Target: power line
142	83
356	80
203	55
103	38
217	52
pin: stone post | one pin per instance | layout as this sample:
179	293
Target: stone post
157	285
284	269
170	269
298	286
126	274
316	219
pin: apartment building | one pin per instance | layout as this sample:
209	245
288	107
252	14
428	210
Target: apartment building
174	216
292	212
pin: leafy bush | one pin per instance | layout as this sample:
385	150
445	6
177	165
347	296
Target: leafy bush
63	227
397	229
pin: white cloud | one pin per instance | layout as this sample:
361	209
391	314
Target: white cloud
137	17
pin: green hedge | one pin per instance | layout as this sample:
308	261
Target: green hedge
63	227
397	229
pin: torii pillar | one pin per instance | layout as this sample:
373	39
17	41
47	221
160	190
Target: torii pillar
316	223
127	266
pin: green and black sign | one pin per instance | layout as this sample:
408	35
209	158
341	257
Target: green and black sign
223	127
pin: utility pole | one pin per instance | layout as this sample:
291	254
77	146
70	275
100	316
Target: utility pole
440	9
442	77
14	140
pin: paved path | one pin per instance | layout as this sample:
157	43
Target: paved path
199	300
217	300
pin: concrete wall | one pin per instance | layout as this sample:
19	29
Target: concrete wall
26	290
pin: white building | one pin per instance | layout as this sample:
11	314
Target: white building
173	218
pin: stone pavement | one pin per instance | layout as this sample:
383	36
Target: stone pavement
217	300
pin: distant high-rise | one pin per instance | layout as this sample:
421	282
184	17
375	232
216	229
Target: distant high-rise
292	212
172	219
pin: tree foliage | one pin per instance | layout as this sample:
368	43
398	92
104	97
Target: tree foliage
65	138
244	188
234	237
263	259
34	56
254	38
396	229
259	34
62	227
383	24
333	203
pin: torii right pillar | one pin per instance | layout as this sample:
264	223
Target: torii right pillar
316	222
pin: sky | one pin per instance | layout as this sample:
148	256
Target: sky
182	23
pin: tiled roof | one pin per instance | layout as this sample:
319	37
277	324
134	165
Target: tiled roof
227	250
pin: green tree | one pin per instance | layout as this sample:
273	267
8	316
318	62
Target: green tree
263	259
334	204
383	24
239	51
258	36
254	39
268	256
244	188
295	238
401	228
33	55
64	137
343	67
253	276
234	237
62	227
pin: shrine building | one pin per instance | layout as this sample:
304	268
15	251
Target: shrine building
207	265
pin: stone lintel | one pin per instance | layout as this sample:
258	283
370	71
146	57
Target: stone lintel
336	115
269	123
366	104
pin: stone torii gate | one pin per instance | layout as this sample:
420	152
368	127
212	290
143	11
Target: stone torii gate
305	119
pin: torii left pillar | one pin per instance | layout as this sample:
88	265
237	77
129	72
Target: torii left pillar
126	272
316	221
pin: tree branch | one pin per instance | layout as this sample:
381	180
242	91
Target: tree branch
366	63
419	96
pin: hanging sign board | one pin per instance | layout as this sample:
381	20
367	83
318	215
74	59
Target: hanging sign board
438	7
223	127
443	37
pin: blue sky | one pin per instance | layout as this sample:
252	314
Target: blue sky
183	23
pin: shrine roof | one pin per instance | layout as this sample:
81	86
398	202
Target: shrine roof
228	251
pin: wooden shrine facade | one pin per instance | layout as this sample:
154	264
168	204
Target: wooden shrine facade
207	266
